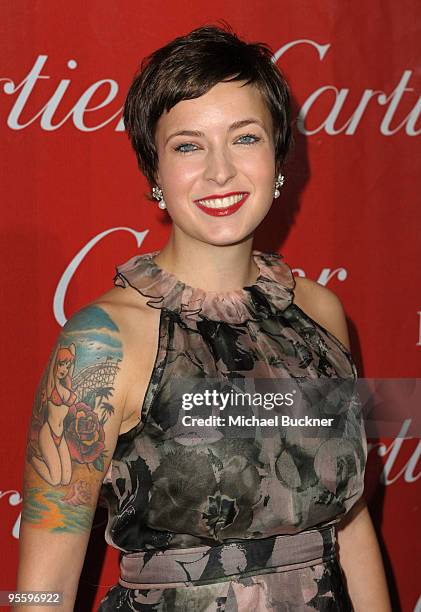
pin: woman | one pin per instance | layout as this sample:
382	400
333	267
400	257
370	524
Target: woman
54	464
217	518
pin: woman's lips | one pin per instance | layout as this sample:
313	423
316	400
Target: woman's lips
222	212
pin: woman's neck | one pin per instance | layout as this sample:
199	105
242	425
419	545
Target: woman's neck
209	267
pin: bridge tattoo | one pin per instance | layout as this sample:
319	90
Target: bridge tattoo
66	445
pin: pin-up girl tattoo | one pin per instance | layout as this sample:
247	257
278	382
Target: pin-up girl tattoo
54	465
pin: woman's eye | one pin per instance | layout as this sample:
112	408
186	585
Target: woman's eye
181	149
248	139
254	139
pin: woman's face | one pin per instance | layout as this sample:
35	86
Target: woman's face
63	368
215	157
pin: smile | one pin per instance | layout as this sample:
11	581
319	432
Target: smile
222	206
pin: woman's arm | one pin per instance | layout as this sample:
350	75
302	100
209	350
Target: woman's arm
51	381
361	560
62	483
72	348
359	551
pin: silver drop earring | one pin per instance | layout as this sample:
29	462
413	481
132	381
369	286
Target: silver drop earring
279	182
158	195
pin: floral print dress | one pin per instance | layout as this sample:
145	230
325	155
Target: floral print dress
218	522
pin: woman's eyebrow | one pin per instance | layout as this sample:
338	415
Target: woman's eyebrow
234	126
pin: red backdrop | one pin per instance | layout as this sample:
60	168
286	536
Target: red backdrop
73	205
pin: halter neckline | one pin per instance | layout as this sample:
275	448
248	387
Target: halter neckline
271	293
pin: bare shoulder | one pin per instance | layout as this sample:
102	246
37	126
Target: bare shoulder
129	310
138	328
323	306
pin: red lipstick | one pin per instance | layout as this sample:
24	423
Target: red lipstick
222	212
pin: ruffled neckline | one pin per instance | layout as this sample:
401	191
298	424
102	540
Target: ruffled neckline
271	293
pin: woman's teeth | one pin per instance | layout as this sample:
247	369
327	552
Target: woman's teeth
221	202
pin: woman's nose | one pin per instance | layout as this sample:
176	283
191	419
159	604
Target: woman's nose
219	167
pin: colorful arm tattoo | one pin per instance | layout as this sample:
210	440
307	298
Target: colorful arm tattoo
72	419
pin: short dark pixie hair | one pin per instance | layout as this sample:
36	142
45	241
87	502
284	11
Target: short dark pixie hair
188	67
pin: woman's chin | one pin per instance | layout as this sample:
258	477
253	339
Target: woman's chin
218	234
224	239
